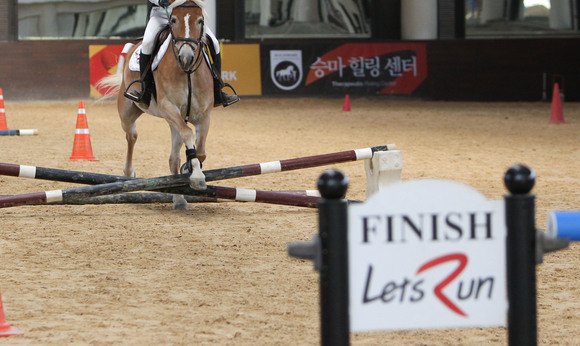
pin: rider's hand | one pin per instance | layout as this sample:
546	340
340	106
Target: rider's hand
163	3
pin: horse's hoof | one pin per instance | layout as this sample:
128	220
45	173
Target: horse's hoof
179	203
130	174
181	206
198	184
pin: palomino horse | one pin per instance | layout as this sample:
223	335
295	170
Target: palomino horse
184	92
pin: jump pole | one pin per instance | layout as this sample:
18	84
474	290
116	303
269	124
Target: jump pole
136	198
156	197
67	195
110	184
27	132
96	195
294	164
210	175
246	195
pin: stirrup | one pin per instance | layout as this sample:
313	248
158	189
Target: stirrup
138	95
233	98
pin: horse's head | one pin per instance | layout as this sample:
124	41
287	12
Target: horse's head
188	31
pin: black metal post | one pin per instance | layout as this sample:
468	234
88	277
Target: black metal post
521	253
332	211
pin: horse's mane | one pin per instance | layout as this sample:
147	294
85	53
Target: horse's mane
200	3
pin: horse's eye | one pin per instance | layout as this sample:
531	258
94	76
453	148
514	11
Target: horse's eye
173	20
200	21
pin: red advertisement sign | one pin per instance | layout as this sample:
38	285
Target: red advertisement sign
103	62
384	68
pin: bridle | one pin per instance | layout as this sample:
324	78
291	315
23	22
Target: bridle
196	45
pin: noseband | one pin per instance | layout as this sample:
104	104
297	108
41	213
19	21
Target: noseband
194	44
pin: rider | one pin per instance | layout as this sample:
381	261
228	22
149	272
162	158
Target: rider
158	19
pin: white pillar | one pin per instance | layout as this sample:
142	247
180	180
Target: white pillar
265	12
419	19
211	9
383	169
560	14
491	10
305	11
47	22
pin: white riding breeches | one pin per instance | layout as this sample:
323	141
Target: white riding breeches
158	19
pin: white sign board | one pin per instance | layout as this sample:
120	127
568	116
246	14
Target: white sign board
427	254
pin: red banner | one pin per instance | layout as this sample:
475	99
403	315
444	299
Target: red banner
388	68
103	62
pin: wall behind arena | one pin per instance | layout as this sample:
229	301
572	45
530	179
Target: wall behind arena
467	70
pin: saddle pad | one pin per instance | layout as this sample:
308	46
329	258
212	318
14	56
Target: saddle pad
134	61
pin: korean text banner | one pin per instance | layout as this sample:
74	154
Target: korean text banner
357	68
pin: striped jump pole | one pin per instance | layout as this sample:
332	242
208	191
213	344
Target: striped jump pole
155	197
67	195
294	198
26	132
137	198
61	175
111	184
210	175
106	194
196	197
294	164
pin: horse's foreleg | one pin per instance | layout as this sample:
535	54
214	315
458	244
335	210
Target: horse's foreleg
174	159
131	137
129	114
179	128
179	201
197	178
201	130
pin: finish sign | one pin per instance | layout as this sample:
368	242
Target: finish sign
427	254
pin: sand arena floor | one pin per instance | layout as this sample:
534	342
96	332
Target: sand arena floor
219	274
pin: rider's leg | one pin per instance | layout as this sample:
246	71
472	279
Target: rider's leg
155	24
220	97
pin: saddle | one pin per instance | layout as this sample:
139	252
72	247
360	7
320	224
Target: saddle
134	58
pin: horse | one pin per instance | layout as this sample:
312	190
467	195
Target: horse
184	92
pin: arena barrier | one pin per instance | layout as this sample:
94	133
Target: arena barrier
525	245
110	184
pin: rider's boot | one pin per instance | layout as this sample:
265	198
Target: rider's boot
144	95
220	97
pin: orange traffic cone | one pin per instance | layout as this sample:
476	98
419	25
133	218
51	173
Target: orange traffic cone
3	125
5	328
346	106
82	149
557	115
